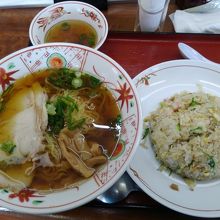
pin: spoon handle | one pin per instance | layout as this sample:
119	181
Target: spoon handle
119	191
190	53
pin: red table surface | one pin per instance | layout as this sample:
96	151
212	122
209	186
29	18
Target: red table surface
136	52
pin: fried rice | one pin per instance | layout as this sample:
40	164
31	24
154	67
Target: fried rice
185	132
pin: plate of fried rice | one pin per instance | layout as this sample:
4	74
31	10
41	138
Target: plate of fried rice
178	160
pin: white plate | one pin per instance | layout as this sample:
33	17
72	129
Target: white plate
154	85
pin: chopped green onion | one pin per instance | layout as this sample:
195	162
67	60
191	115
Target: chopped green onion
51	109
8	147
119	120
88	40
197	130
146	132
94	82
162	104
65	106
211	162
56	122
91	41
69	102
78	74
73	124
71	79
178	127
77	83
193	103
65	26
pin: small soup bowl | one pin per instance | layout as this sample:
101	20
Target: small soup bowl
68	11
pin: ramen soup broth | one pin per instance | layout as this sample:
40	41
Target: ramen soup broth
72	31
69	131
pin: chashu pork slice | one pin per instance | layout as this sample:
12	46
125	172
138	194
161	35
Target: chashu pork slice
30	124
22	124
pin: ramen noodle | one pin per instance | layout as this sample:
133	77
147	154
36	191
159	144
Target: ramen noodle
48	137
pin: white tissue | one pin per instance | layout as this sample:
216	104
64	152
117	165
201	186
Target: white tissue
185	22
24	3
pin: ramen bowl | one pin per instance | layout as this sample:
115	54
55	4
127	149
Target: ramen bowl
33	59
76	22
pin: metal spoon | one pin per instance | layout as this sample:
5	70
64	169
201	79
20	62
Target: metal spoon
119	190
190	53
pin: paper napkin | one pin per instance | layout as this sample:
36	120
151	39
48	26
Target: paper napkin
185	22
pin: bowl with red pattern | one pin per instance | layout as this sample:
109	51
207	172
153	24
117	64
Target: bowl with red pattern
33	59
